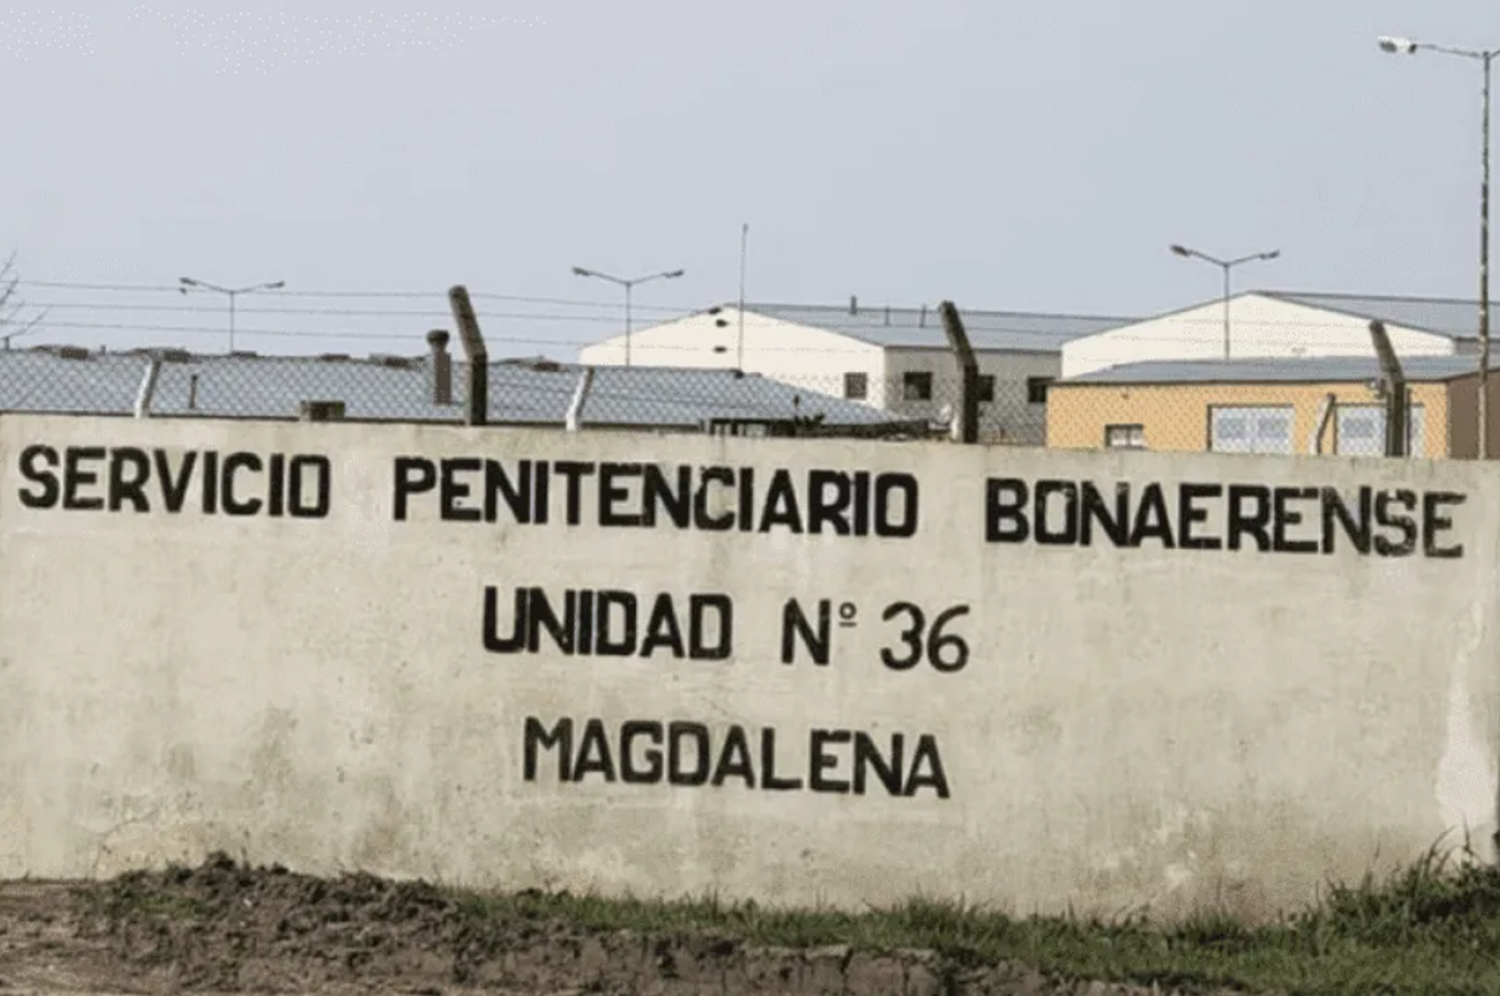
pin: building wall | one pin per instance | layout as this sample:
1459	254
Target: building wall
822	360
1463	420
1259	326
1175	417
795	354
1136	724
1009	417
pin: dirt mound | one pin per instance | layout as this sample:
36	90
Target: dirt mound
226	927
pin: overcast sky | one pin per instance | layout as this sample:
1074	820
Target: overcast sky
1005	154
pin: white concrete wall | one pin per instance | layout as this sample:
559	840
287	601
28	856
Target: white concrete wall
1135	726
1259	326
1010	413
797	354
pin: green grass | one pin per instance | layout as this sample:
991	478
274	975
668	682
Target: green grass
1431	928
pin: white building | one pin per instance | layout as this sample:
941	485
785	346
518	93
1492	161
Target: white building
1281	324
892	358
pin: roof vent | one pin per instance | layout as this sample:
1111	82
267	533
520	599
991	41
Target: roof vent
440	380
322	411
533	362
334	357
73	352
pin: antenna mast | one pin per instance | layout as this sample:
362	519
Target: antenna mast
739	362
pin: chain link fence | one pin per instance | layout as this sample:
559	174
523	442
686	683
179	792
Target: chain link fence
435	388
1028	409
1300	414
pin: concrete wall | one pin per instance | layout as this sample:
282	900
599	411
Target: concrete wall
1259	326
1175	417
1010	417
1135	725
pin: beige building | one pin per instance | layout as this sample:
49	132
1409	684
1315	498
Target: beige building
1326	405
894	359
1285	324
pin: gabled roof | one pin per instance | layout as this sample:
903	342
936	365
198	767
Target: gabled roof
398	389
1277	370
1007	331
1452	317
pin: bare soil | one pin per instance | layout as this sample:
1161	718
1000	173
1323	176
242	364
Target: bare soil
226	928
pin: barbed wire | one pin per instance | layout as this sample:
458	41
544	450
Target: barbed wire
491	334
347	294
245	308
615	310
1296	419
498	323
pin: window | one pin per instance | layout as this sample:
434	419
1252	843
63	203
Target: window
856	386
1360	430
1125	437
1036	390
1264	429
986	387
916	386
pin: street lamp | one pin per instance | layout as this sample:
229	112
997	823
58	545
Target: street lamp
1406	46
185	283
629	285
1226	265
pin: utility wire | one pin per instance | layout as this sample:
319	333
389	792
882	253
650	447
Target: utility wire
398	295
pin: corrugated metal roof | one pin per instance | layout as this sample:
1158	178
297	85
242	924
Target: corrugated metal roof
1454	318
1009	331
274	387
1283	370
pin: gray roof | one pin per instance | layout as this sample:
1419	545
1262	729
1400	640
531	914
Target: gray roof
1277	370
1450	317
1007	331
397	389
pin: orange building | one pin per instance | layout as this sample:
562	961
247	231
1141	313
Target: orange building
1324	405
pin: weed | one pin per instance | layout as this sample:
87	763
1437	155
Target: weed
1430	927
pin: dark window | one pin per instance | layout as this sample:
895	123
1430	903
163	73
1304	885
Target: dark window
1036	390
986	387
856	386
916	386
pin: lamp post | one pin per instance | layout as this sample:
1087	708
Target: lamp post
629	285
1227	265
187	283
1486	58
